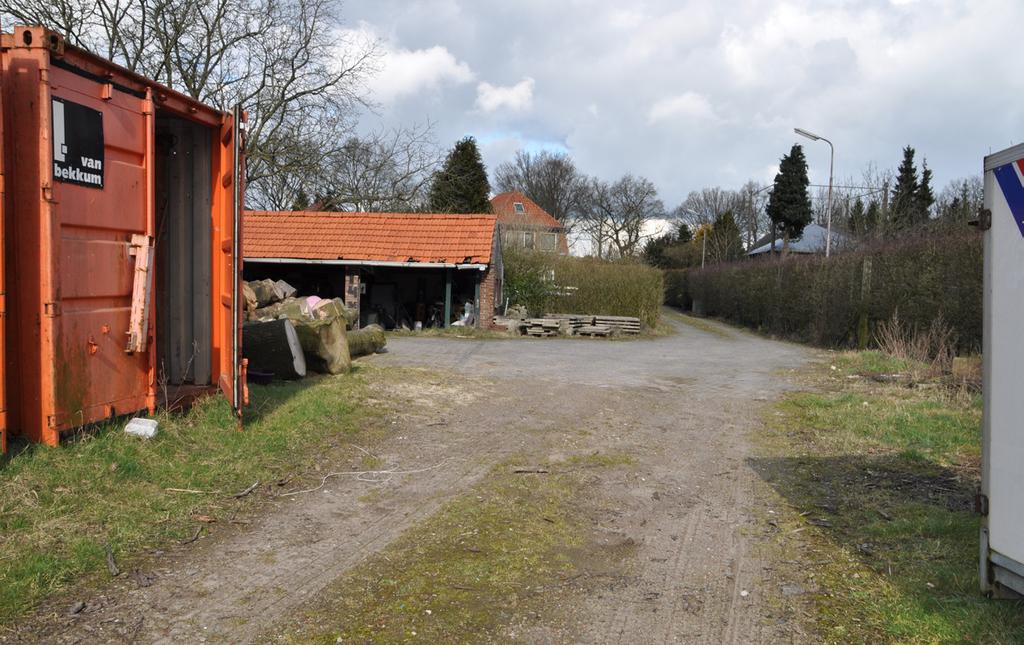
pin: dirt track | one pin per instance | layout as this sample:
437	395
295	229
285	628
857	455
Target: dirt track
682	406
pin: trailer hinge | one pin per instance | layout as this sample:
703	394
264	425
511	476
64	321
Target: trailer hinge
51	309
984	221
981	504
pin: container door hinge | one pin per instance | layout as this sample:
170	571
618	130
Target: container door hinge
51	421
984	221
51	309
981	504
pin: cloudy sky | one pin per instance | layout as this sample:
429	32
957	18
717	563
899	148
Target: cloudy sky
692	93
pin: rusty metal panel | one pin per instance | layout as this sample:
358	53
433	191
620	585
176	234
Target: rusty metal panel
183	251
3	294
227	232
80	162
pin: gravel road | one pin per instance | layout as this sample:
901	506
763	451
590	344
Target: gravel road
683	406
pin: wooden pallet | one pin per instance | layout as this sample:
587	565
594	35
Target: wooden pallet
622	324
594	330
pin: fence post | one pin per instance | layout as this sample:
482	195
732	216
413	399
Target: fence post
865	296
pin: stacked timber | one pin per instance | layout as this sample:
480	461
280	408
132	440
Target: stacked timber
574	321
594	330
621	324
542	327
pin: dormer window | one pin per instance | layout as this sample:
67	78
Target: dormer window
518	206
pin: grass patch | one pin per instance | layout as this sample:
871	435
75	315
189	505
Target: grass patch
873	363
880	478
452	332
704	325
483	561
60	508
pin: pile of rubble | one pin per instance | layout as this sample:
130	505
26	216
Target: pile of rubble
285	335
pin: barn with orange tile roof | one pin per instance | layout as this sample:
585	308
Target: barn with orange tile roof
396	269
524	224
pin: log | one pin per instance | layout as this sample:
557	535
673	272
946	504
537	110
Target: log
286	290
335	307
294	309
251	301
369	340
273	346
325	345
267	292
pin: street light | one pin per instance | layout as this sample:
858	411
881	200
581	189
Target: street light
831	165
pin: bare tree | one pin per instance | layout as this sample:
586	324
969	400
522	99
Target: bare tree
550	179
382	171
287	62
701	208
617	214
749	209
959	201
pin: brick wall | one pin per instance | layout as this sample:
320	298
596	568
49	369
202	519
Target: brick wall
488	285
352	291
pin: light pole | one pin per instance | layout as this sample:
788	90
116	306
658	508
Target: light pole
704	246
831	165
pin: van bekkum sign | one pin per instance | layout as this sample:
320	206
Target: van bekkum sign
77	144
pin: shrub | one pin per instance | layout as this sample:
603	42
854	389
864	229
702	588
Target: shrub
842	300
546	283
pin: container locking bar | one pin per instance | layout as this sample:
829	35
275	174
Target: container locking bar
142	248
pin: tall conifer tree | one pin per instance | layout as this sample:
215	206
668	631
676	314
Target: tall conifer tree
789	207
904	197
924	197
461	185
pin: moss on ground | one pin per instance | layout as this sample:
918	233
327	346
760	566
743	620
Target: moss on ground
488	558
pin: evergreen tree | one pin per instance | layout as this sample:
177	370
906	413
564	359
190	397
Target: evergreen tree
789	207
924	197
655	249
683	233
858	215
725	242
904	199
461	185
871	217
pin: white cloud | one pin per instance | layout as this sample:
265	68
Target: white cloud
517	98
693	93
407	72
687	106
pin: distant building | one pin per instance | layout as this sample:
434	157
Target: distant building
394	269
525	225
583	243
812	240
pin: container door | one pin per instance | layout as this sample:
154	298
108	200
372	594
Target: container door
76	247
3	291
1003	444
229	233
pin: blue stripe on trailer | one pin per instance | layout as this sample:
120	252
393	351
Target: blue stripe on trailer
1009	182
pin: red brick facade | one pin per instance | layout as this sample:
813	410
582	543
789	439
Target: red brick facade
488	291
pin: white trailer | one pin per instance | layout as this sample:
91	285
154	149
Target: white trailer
1002	471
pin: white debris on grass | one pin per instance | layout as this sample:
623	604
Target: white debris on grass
139	427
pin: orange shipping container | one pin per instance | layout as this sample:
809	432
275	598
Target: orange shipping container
122	210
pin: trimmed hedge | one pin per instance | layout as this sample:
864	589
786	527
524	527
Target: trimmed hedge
837	302
548	283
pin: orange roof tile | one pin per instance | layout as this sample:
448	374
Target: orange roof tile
369	237
503	205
